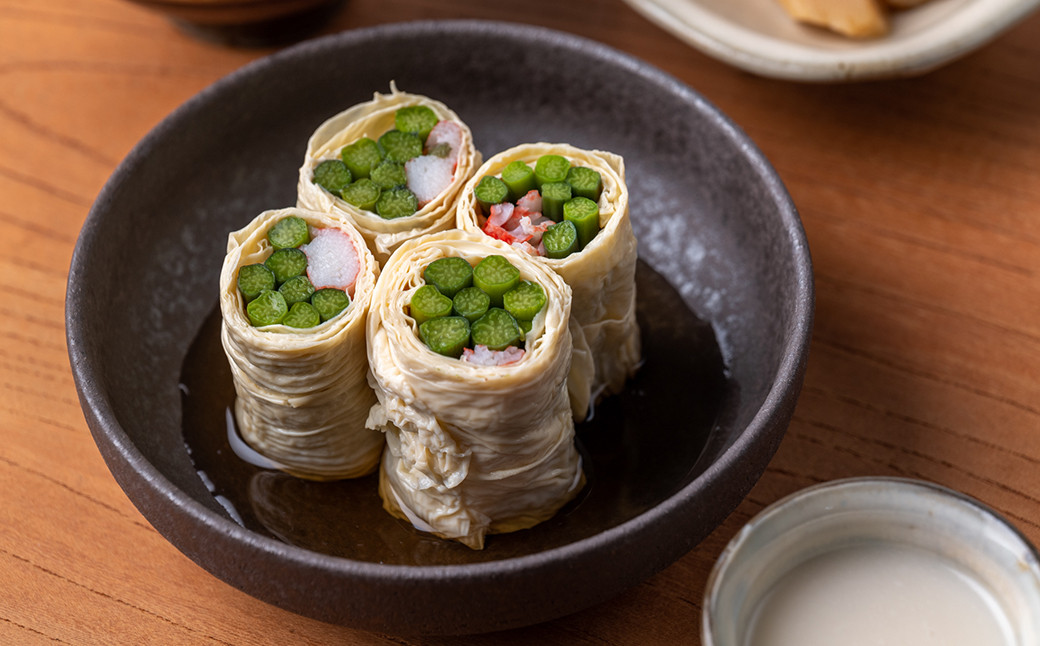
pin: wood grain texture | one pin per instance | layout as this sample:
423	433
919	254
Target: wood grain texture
920	198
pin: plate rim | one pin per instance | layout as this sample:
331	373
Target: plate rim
742	47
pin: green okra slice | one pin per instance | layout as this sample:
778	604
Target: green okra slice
496	276
497	330
389	174
551	168
584	213
286	263
448	335
291	231
297	289
332	175
585	182
519	178
329	302
554	196
400	146
560	240
449	275
396	203
416	119
361	157
471	303
253	279
428	303
363	194
268	308
524	301
302	315
490	191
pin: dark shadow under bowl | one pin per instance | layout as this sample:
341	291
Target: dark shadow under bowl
719	241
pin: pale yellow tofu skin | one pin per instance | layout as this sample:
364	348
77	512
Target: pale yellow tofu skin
852	18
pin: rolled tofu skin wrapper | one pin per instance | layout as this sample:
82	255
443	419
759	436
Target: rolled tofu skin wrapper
601	276
302	394
372	119
471	449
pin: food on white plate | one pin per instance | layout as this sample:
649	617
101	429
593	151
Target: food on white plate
852	18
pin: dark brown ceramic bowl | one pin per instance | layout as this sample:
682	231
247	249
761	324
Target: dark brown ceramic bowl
725	307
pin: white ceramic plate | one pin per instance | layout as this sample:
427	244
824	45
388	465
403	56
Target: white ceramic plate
760	37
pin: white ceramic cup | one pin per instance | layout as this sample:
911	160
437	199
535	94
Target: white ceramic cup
874	516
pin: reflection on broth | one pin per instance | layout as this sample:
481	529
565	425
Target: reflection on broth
638	449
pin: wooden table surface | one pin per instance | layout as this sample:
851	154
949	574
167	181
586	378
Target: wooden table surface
920	198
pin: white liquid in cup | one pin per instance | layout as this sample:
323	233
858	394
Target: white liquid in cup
875	562
879	595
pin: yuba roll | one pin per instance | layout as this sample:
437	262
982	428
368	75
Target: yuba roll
295	290
567	208
393	166
482	443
